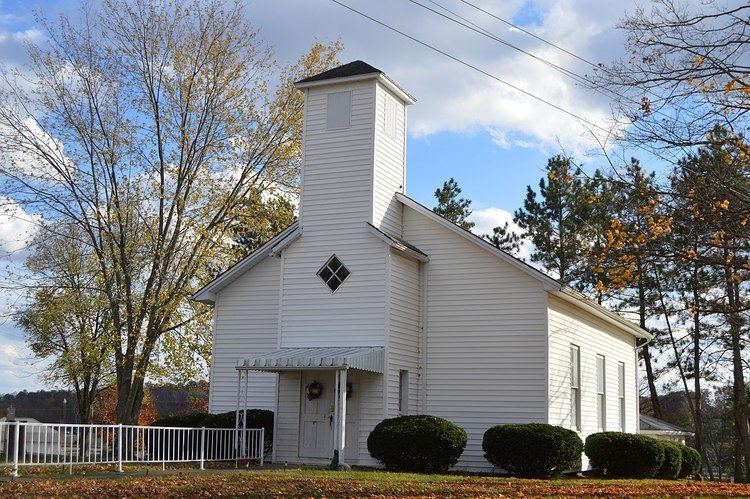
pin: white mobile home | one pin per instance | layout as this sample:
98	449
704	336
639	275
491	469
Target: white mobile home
371	306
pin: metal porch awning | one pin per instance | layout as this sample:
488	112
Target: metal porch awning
290	359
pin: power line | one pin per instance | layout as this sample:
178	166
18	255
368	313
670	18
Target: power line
607	92
531	34
467	23
471	66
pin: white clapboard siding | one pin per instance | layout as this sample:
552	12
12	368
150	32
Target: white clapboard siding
486	336
390	160
570	325
355	314
286	433
246	324
336	203
337	172
404	338
370	386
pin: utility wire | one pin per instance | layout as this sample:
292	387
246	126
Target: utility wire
570	53
471	66
531	34
467	23
607	92
500	80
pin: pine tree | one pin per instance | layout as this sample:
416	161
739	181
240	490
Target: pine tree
503	238
451	207
711	186
555	222
630	256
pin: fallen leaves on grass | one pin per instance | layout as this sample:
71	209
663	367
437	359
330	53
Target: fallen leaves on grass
318	483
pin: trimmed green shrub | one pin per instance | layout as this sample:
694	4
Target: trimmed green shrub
256	418
425	444
624	454
691	462
533	449
192	420
670	467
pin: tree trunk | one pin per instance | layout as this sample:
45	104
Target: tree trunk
698	393
739	390
653	395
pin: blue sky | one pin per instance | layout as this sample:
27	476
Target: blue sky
493	140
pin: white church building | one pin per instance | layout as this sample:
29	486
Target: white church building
372	306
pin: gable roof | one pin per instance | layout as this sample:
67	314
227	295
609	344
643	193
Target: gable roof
354	68
652	424
552	286
355	71
399	244
207	294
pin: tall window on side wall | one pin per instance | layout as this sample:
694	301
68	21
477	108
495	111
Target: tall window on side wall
575	387
621	392
601	393
403	392
338	110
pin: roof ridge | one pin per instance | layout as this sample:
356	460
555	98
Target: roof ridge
353	68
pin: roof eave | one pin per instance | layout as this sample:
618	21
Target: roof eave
207	294
548	283
382	78
575	298
419	256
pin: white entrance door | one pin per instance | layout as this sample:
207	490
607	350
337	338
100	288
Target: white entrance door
316	417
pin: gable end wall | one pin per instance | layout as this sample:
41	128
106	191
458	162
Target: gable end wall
486	336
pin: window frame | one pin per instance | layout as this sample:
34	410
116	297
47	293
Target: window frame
621	393
601	392
334	273
338	109
575	387
390	116
403	392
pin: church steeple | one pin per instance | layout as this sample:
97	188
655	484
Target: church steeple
354	145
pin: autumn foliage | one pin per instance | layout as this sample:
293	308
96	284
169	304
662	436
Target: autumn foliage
318	483
105	408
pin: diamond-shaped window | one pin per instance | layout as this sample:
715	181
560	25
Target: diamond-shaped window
333	273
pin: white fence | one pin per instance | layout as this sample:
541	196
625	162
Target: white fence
39	444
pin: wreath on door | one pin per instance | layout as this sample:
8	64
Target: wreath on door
314	390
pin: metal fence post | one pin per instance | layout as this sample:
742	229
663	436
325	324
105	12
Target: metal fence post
203	445
119	448
262	444
15	448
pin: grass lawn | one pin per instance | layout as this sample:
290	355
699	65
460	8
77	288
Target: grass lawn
317	483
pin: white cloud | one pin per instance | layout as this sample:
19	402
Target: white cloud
18	370
453	97
17	227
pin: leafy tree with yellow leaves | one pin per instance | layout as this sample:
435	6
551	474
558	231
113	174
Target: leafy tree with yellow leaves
147	125
715	248
626	260
66	320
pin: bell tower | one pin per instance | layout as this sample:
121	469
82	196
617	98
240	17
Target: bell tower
353	148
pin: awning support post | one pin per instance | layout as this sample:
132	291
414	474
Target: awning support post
339	418
237	414
244	417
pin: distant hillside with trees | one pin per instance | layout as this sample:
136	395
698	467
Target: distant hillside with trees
48	406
